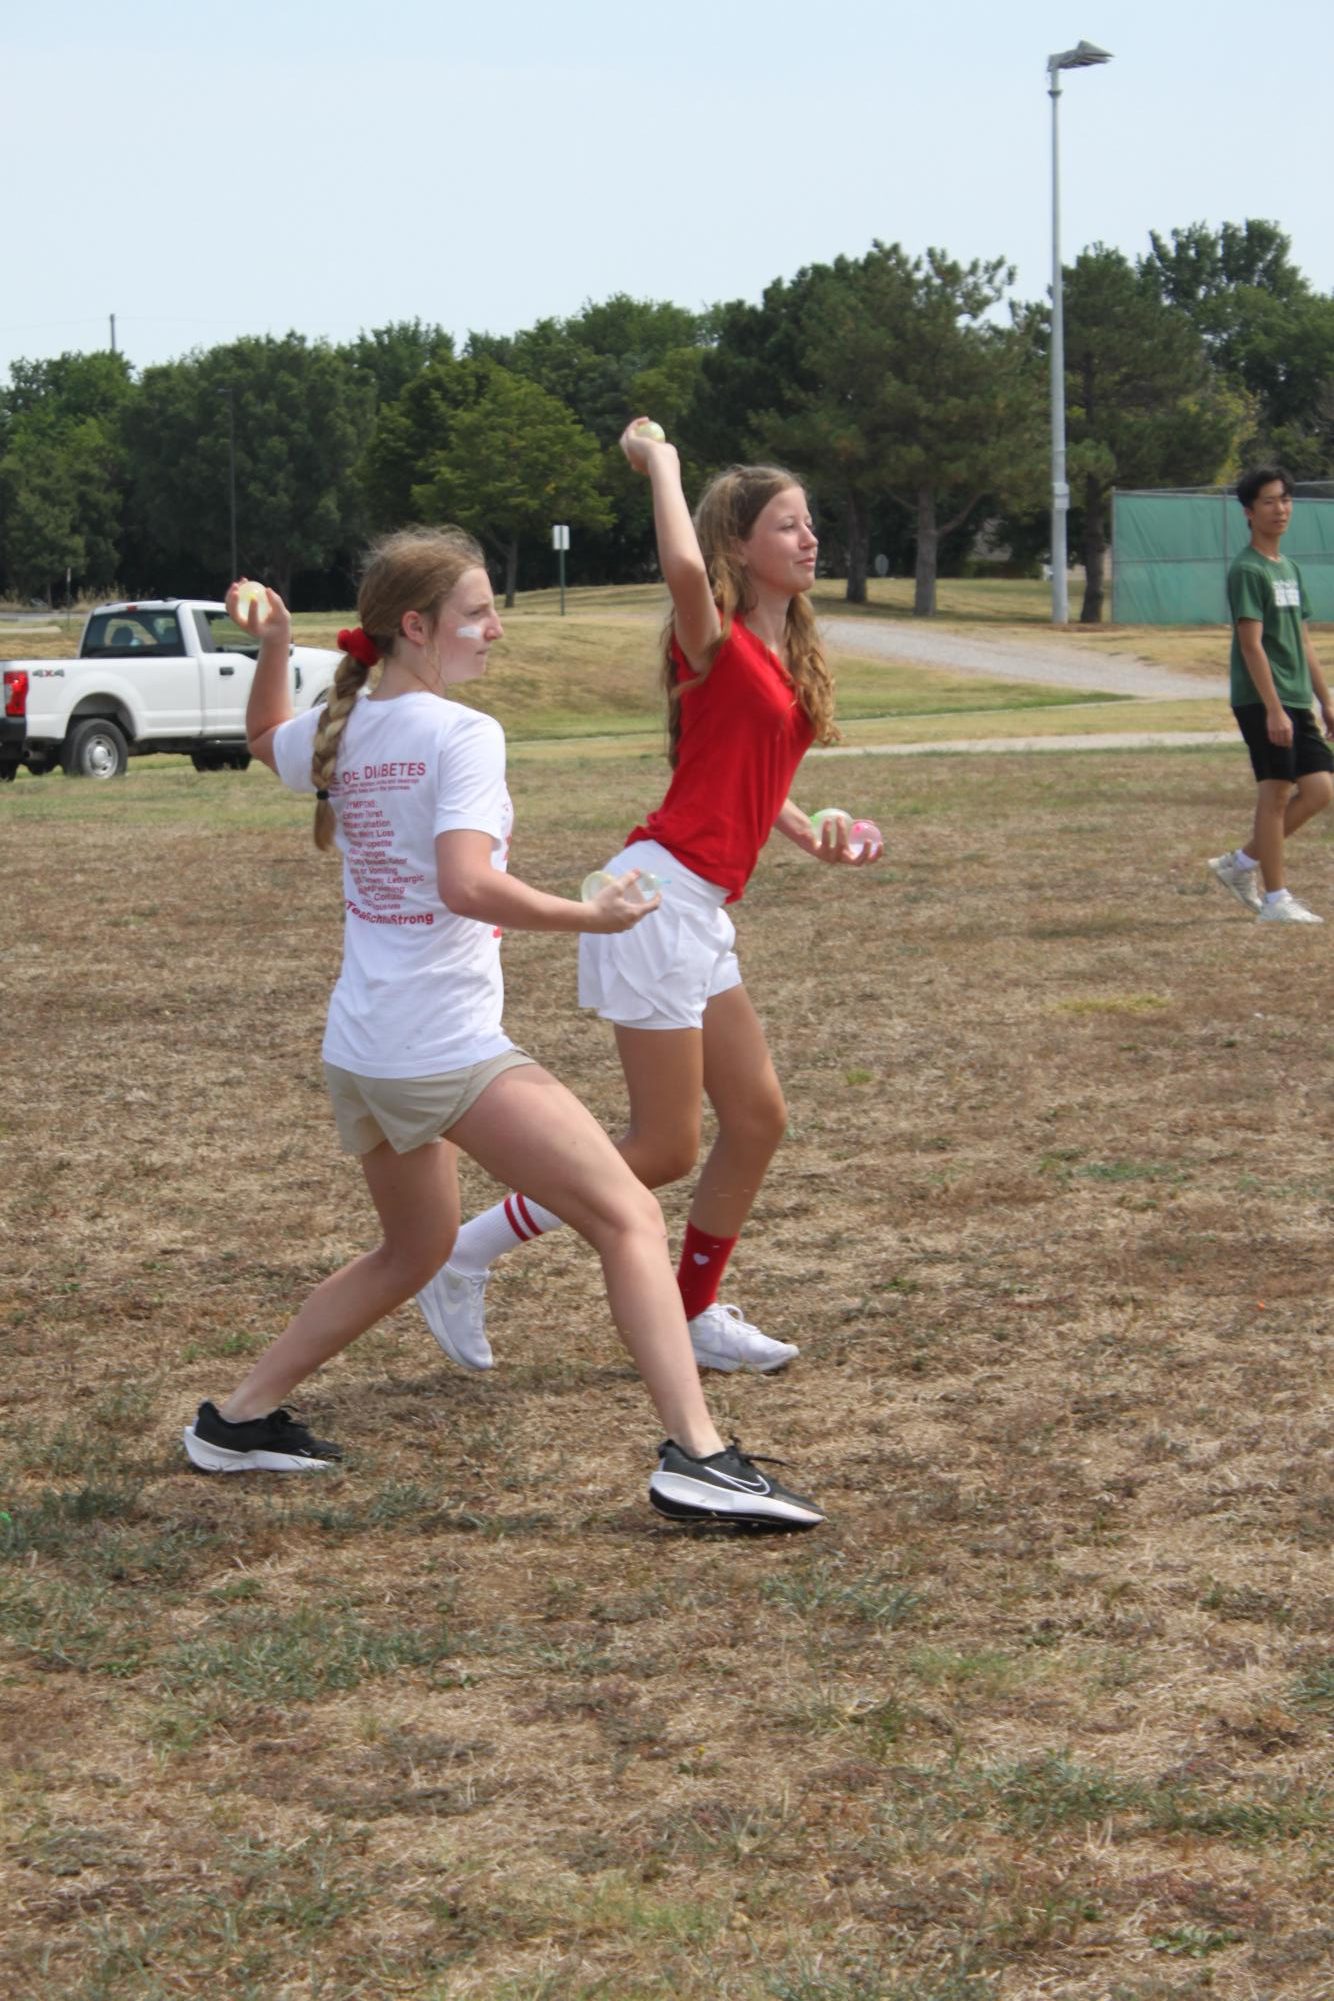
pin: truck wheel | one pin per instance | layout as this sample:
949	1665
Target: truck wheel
239	760
206	760
95	749
8	772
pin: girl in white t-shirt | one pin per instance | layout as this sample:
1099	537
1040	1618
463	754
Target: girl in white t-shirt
411	789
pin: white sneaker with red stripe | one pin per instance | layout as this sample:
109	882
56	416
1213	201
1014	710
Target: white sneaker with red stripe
454	1308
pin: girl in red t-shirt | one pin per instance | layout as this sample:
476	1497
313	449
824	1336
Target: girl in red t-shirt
748	691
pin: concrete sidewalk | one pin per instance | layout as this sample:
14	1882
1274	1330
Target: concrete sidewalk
1055	664
1108	740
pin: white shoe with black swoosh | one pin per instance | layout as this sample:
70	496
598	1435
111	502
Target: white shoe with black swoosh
725	1487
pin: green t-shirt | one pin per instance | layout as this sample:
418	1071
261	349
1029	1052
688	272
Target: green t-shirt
1275	594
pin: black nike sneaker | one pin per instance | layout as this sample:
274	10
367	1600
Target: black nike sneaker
272	1444
725	1487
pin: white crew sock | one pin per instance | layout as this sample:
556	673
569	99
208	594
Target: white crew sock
1242	860
488	1236
1276	895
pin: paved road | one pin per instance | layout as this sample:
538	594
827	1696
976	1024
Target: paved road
1051	664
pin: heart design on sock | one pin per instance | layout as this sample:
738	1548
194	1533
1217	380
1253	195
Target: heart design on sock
699	1257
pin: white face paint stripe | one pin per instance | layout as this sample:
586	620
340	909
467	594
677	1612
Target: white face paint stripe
470	632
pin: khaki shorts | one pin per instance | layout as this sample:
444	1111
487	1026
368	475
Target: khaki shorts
408	1111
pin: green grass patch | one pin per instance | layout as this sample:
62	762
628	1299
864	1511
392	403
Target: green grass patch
298	1656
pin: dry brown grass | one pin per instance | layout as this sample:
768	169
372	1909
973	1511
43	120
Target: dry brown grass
1041	1712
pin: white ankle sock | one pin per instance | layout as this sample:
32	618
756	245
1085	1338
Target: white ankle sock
1242	860
486	1237
1276	895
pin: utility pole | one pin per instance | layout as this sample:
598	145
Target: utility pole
229	392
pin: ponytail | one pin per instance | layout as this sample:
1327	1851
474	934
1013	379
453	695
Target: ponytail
349	681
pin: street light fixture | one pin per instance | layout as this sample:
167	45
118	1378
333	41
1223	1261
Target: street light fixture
1083	56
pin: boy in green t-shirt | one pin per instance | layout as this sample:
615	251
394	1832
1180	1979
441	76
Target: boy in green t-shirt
1275	680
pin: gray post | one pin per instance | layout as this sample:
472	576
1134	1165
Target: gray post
1060	491
230	393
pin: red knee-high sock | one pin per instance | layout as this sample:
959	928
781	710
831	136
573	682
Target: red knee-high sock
700	1272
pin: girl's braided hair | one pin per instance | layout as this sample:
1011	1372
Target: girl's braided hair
416	569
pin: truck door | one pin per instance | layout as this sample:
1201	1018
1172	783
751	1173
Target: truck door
228	655
226	669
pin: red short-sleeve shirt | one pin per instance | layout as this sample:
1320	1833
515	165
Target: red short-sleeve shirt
743	734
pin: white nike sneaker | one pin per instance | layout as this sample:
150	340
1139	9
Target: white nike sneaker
1287	910
1244	883
453	1307
722	1340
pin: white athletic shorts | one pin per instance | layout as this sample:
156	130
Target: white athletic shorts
663	973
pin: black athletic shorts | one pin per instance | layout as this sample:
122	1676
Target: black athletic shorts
1307	752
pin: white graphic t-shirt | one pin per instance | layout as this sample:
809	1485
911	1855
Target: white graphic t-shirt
420	992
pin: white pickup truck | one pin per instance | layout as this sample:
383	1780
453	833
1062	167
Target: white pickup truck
173	674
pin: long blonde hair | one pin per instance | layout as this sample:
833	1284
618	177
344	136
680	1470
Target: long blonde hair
416	569
728	509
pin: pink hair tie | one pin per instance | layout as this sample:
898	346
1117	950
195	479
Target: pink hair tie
360	645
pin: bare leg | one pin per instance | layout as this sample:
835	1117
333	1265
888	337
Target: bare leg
1272	799
744	1091
667	1071
664	1072
528	1130
417	1196
1313	794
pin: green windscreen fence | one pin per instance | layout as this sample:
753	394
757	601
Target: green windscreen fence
1171	552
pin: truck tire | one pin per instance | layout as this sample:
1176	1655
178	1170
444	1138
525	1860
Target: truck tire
8	772
95	749
213	757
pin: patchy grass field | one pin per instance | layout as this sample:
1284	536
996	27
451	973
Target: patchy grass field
1043	1711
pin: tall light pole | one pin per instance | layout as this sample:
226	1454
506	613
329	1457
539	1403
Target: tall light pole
1083	56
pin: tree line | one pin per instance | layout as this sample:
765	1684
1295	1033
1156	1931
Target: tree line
910	392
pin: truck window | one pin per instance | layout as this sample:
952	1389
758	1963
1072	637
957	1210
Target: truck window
217	634
133	635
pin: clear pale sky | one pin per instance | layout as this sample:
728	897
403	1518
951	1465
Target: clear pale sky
205	171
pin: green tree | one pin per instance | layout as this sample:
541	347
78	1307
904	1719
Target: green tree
297	416
515	462
1144	404
68	387
947	410
606	363
62	472
886	379
1263	326
592	361
413	430
390	357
